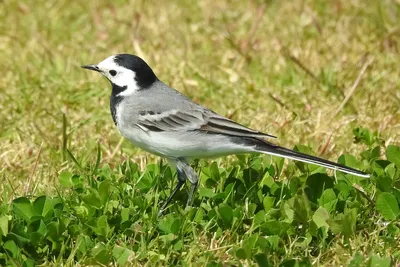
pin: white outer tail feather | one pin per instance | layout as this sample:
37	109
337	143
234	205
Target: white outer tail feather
294	155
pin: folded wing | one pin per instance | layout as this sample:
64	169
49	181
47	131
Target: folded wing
195	120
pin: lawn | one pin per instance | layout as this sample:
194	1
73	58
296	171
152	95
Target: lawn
323	76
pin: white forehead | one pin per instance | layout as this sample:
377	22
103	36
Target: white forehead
108	63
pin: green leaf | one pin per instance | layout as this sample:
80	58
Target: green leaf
206	192
170	224
18	233
273	241
93	199
328	200
176	226
121	255
23	209
344	223
268	203
4	224
273	227
248	245
214	171
29	263
357	261
316	184
12	248
53	231
387	205
65	179
124	215
393	154
44	206
104	191
101	254
376	261
301	207
262	259
320	217
241	254
225	212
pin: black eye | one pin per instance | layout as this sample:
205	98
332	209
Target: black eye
112	72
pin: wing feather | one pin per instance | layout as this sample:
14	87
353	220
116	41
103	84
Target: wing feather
195	120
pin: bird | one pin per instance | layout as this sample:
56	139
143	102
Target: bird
161	120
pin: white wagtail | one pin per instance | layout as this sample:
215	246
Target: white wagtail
159	119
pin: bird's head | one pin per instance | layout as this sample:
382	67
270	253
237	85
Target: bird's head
127	72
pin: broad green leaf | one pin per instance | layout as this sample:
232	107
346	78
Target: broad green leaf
262	260
93	199
259	218
43	206
273	241
176	226
22	207
124	215
241	254
376	261
328	200
166	224
206	192
357	261
12	248
18	233
53	231
4	224
65	179
104	191
121	255
248	244
387	205
214	171
316	184
393	154
102	225
301	207
320	217
29	263
225	212
37	226
268	203
101	254
344	223
273	227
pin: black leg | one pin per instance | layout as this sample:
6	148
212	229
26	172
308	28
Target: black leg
192	189
184	172
191	176
181	181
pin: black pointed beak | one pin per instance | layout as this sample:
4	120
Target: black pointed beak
91	67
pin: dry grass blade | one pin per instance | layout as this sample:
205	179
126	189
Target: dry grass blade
354	86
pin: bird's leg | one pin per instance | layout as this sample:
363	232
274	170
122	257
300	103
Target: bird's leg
190	175
181	181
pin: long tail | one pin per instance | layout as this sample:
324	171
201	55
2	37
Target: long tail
265	147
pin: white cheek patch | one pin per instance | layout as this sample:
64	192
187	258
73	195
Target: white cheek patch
124	77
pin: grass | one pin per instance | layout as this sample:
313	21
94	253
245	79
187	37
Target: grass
315	73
